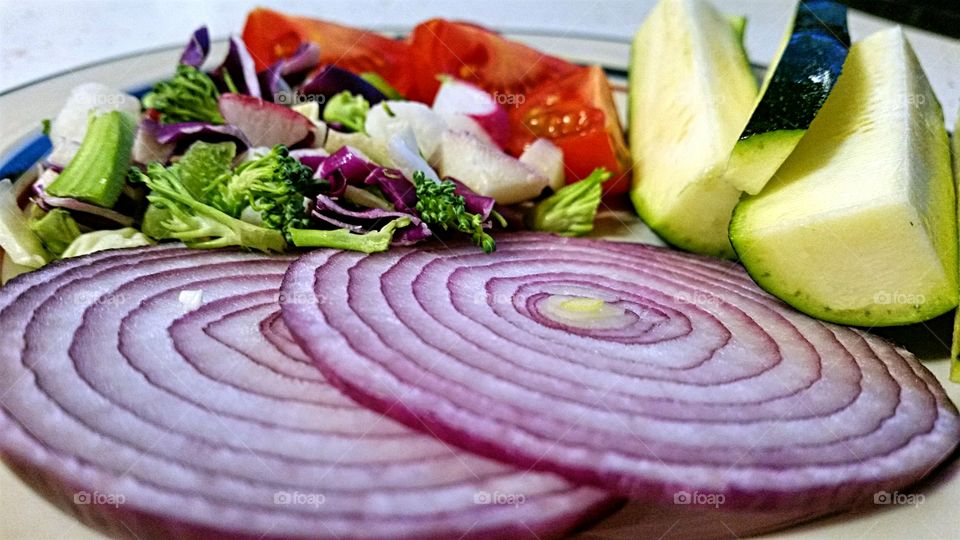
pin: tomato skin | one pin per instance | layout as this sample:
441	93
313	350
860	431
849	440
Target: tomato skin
479	56
576	113
270	36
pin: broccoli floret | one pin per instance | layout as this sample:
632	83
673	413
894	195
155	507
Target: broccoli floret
190	96
196	224
276	186
438	205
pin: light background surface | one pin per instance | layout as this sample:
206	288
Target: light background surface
41	38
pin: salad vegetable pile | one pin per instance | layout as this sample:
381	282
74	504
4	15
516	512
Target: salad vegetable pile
272	152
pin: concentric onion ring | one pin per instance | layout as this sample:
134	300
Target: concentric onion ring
691	380
195	424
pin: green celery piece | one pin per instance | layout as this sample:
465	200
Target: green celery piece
205	163
19	243
382	85
571	210
97	173
56	229
347	109
370	242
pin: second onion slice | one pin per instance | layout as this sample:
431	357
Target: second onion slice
654	374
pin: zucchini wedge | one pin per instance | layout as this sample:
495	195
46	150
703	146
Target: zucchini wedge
859	225
796	86
955	346
691	94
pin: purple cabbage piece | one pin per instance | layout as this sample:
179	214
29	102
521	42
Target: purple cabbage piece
475	203
274	86
146	147
186	133
195	53
399	191
239	66
311	157
48	202
327	210
331	80
345	166
276	80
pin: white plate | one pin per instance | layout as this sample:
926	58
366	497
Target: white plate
23	514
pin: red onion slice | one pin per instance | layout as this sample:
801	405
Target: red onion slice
689	378
211	423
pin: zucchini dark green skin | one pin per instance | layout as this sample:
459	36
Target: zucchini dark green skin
806	71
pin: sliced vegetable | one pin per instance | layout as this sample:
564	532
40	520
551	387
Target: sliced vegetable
146	147
97	173
796	86
691	93
486	170
571	210
560	354
56	229
845	231
330	81
69	128
264	123
547	158
95	241
231	397
478	56
955	345
19	243
238	73
382	85
271	35
347	110
368	242
440	206
458	97
184	218
577	114
182	135
388	118
190	96
196	51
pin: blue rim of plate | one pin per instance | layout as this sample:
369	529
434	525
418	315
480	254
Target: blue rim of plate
34	146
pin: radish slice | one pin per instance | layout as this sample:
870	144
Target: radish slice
264	123
547	158
391	117
210	423
458	97
645	371
486	170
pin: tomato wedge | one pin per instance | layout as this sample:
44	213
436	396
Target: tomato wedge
576	113
270	36
479	56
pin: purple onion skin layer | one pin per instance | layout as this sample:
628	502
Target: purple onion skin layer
718	388
199	419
